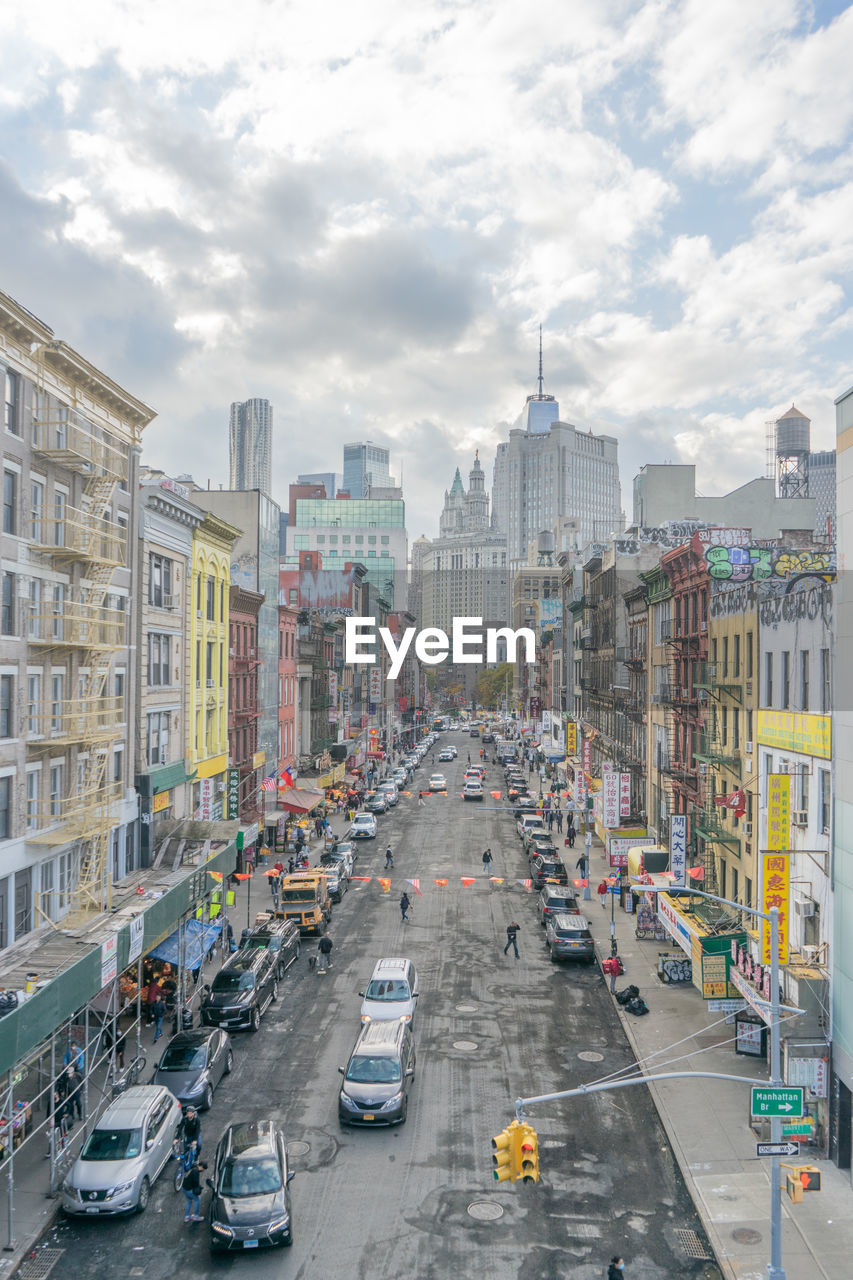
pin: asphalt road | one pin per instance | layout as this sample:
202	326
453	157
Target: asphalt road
386	1204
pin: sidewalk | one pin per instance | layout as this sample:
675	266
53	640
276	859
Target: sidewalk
708	1125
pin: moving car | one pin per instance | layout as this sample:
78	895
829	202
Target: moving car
363	827
568	937
473	790
544	870
488	737
124	1154
539	845
437	782
242	991
193	1063
445	754
553	900
250	1206
281	937
392	992
378	1076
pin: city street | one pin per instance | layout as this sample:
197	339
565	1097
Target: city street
420	1200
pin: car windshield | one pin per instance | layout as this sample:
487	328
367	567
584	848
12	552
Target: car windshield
112	1144
229	980
387	989
365	1070
263	942
184	1057
242	1177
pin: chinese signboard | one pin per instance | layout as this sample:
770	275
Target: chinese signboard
778	811
205	802
775	892
571	739
610	798
161	801
375	684
587	756
535	708
333	685
624	795
793	732
233	794
137	934
715	975
678	847
109	960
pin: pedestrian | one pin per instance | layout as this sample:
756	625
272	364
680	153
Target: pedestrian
74	1057
616	1269
151	997
389	858
580	865
551	817
121	1045
192	1190
324	959
469	757
560	821
159	1011
404	905
612	967
487	862
275	890
511	934
571	833
290	865
421	800
602	894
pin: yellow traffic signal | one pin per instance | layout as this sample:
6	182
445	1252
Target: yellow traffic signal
528	1154
503	1156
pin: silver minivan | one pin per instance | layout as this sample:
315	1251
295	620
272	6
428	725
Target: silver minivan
391	993
124	1154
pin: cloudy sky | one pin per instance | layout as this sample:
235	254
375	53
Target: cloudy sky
363	210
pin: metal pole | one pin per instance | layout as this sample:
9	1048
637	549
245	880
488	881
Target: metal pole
138	1006
775	1270
10	1169
86	1064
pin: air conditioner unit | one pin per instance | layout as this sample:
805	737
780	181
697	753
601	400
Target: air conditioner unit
210	683
220	788
824	831
800	817
171	602
702	695
703	768
747	828
748	748
810	954
804	907
748	687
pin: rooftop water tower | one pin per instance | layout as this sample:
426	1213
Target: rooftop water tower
545	546
793	441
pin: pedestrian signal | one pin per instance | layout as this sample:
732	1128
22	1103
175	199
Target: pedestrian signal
503	1157
529	1154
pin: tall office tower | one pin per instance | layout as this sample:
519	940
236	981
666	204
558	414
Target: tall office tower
251	445
365	468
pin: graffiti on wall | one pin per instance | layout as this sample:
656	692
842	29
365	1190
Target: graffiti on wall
757	563
810	603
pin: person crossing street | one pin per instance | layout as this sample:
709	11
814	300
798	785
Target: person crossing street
487	862
511	935
324	958
389	858
405	903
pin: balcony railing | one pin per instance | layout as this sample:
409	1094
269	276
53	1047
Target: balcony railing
76	444
77	535
62	723
709	826
712	750
73	624
721	676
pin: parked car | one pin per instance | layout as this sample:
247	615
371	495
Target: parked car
250	1206
281	937
389	791
375	802
242	991
345	846
363	827
473	790
437	782
554	899
534	832
488	737
538	845
124	1154
517	790
526	805
342	859
568	937
545	870
378	1076
337	881
193	1063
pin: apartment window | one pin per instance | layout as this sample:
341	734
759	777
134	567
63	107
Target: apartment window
300	542
57	694
222	602
735	728
37	509
825	677
735	878
825	799
10	502
747	901
10	404
281	644
736	658
749	737
5	808
33	700
726	672
118	764
321	538
725	723
119	689
749	655
804	680
159	659
158	737
768	679
59	501
211	600
786	679
56	790
210	660
198	595
803	797
7	696
7	616
159	580
222	666
32	799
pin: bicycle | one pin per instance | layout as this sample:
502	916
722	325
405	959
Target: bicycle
185	1159
130	1076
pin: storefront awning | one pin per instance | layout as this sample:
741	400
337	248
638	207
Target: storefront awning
300	800
198	940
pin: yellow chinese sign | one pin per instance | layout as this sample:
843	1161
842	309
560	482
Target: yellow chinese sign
791	731
259	758
571	739
778	810
161	801
775	892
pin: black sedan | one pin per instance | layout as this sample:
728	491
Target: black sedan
250	1205
548	871
193	1064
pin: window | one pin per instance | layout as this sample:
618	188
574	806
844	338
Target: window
825	678
159	580
198	595
5	808
33	700
384	541
7	699
198	664
211	600
749	655
32	799
210	660
56	771
118	764
736	658
7	617
10	404
321	537
59	519
786	679
47	903
747	901
721	874
158	737
119	691
804	680
735	898
37	509
345	537
57	694
222	602
825	800
10	502
803	797
300	542
159	660
768	679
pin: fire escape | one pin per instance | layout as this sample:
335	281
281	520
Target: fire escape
717	681
81	626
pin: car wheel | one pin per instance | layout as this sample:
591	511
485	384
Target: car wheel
208	1098
553	957
296	953
274	995
229	1063
255	1020
144	1196
405	1111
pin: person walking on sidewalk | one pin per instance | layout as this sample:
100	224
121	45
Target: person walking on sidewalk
616	1270
404	905
571	833
192	1190
324	959
602	894
487	862
511	935
560	821
159	1011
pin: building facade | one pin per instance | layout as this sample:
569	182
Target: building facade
244	665
287	687
250	441
366	467
370	531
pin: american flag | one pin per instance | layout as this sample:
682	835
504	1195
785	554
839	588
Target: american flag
268	784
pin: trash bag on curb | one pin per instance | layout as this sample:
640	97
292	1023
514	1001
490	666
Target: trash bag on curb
637	1006
630	993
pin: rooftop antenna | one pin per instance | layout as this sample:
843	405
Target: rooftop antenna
540	362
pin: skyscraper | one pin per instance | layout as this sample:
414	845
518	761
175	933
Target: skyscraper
365	467
251	445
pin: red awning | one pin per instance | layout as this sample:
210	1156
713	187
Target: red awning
299	800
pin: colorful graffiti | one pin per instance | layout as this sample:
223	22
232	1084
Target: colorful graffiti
756	563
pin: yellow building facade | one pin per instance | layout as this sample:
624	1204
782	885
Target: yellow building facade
207	713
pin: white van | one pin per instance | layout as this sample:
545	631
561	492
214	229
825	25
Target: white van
391	992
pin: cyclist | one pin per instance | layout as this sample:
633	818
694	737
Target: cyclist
324	960
190	1130
389	858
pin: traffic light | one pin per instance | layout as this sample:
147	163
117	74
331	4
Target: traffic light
504	1155
528	1153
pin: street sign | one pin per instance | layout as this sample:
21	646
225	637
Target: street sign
776	1148
777	1100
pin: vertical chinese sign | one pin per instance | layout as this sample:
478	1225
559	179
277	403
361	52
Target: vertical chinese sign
775	879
